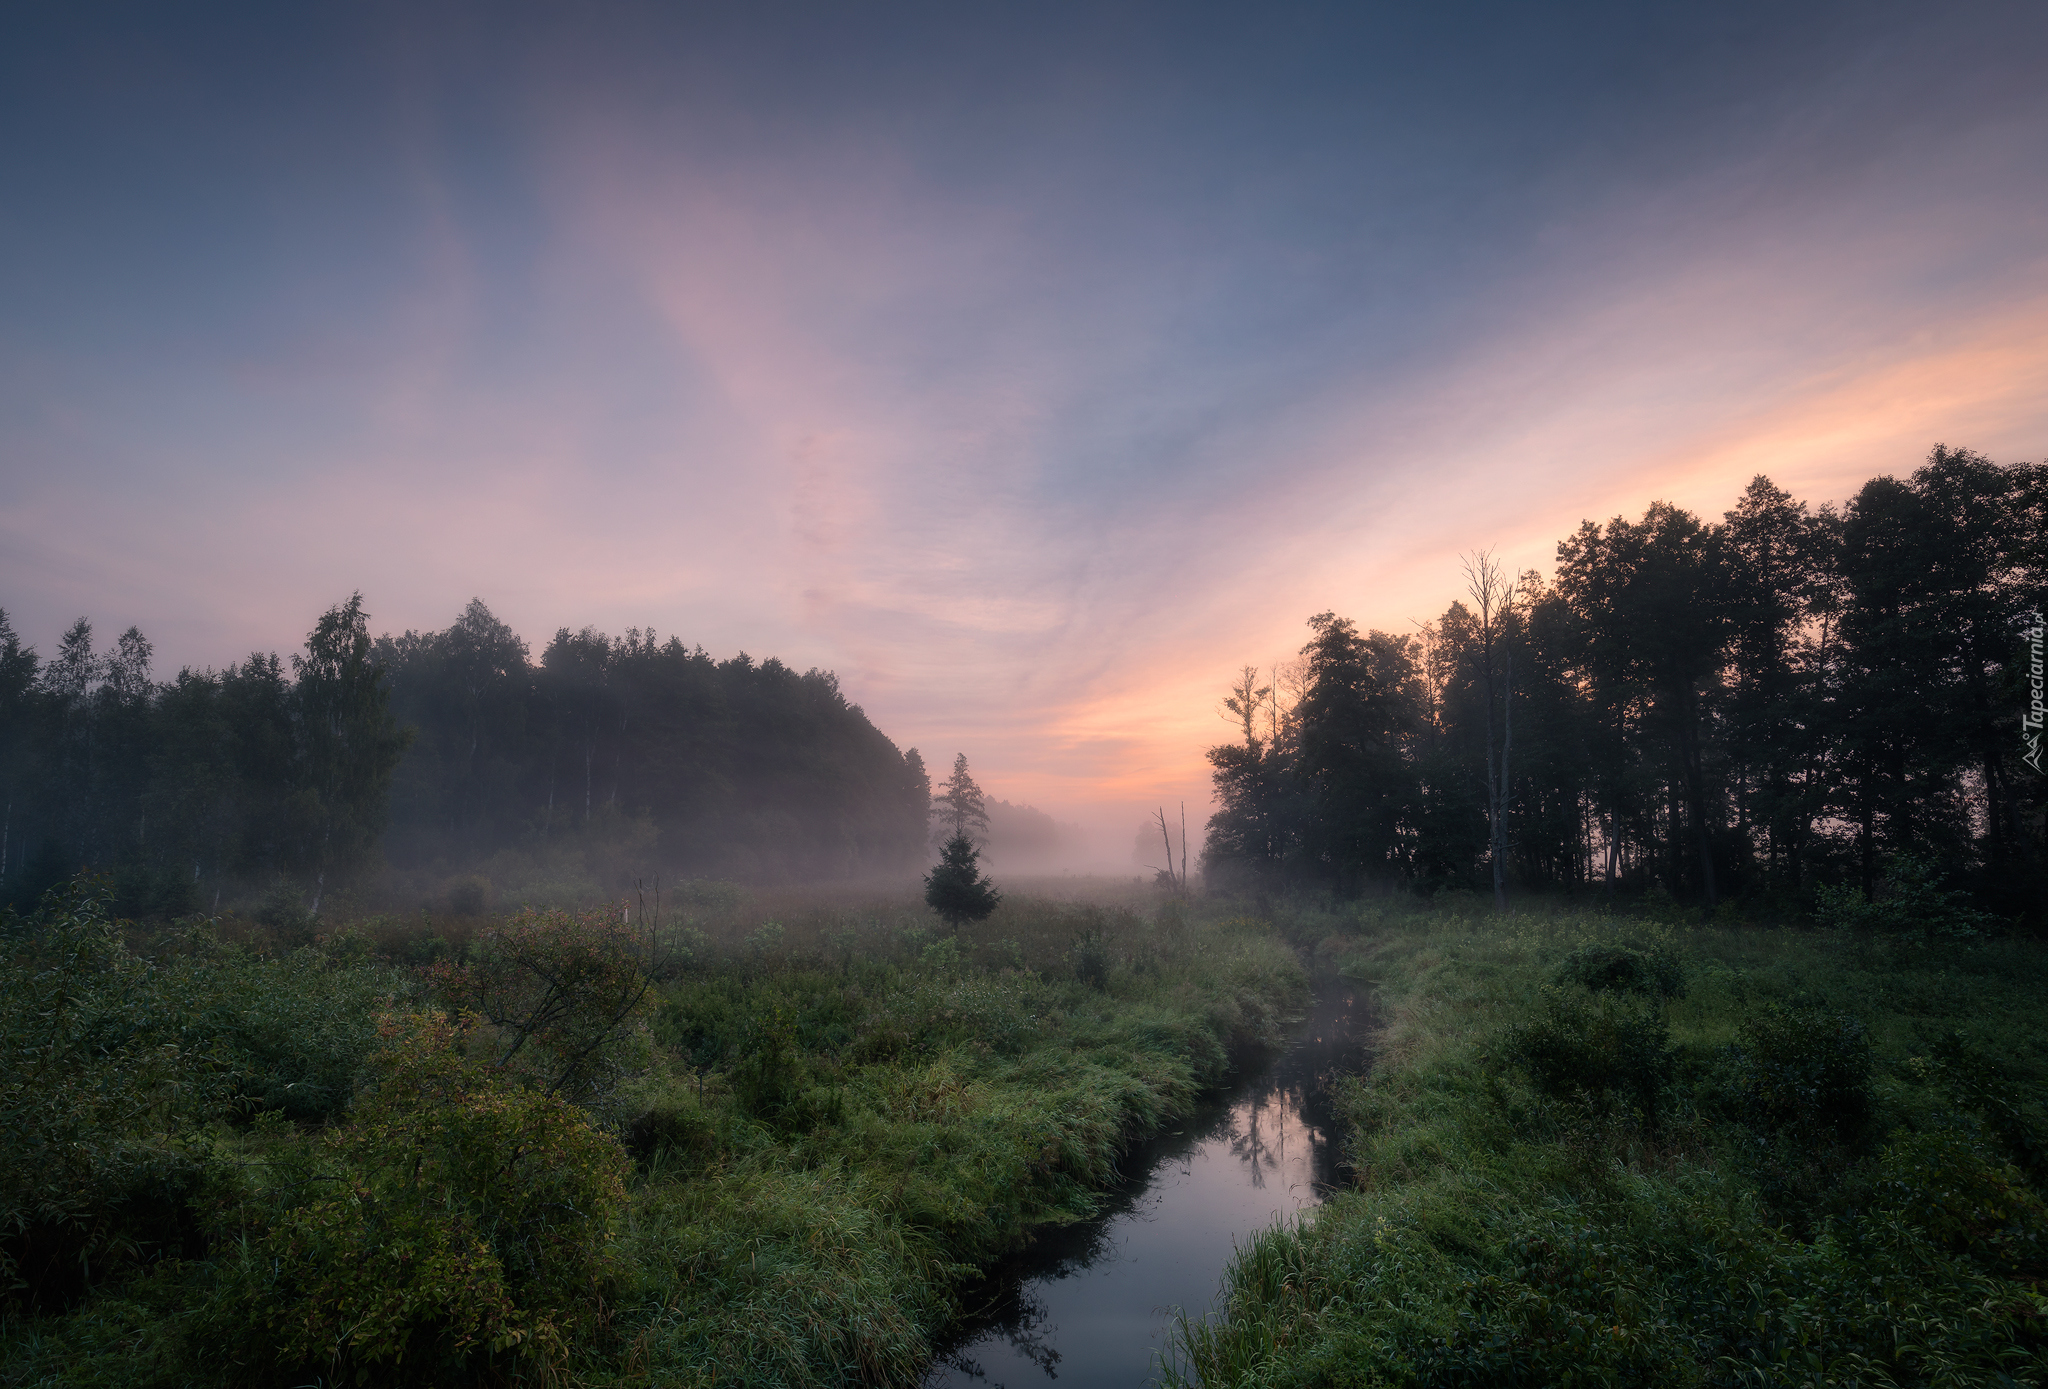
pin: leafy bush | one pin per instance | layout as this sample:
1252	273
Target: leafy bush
1624	968
1806	1073
1967	1199
102	1116
284	911
1090	956
672	1126
769	1079
1910	904
1603	1051
561	988
454	1217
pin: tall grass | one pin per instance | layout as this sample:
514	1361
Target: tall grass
1820	1164
861	1110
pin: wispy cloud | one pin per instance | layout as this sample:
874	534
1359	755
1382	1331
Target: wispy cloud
1034	461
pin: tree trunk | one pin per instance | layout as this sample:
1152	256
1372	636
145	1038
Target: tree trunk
1500	797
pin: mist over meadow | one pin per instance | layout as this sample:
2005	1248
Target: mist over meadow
449	769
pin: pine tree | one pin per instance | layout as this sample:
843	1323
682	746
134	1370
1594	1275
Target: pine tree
956	888
960	805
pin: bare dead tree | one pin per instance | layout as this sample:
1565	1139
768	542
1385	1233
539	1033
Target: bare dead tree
1177	879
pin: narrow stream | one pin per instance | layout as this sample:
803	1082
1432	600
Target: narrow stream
1089	1306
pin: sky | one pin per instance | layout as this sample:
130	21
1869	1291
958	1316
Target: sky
1033	367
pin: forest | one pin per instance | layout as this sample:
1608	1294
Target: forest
1789	701
437	755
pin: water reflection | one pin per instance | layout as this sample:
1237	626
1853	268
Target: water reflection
1090	1305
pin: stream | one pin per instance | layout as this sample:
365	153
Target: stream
1089	1306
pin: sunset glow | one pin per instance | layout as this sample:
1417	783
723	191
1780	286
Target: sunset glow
1034	374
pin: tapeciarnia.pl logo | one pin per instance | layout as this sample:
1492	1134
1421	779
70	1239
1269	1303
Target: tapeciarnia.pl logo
2031	721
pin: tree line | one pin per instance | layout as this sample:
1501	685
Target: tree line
1790	697
431	748
743	769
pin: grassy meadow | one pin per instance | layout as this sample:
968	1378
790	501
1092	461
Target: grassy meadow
1597	1151
774	1139
747	1139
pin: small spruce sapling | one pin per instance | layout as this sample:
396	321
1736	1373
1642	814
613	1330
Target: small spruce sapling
956	888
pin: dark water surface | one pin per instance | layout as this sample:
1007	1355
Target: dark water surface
1089	1306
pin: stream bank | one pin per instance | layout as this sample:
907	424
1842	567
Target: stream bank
1088	1306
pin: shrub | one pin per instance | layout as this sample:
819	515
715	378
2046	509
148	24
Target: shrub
1624	968
769	1079
284	911
1806	1072
154	892
562	989
454	1217
102	1115
1910	903
1604	1051
1090	956
674	1126
1945	1184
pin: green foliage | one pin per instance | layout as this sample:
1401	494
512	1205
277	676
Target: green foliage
1807	1073
563	990
1608	1053
956	888
1967	1199
869	1113
1910	904
2004	1097
1090	954
1617	967
768	1081
838	1116
1826	1199
453	1217
118	1069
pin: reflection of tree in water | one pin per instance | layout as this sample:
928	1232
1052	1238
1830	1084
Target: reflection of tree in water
1021	1318
1026	1325
1257	1137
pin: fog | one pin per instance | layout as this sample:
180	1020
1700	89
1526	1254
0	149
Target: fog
458	768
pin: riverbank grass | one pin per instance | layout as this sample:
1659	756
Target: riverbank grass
1595	1151
819	1120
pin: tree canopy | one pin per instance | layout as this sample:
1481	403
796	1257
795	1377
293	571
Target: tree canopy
1785	698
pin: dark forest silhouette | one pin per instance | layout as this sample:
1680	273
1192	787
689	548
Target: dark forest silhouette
443	748
1792	696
